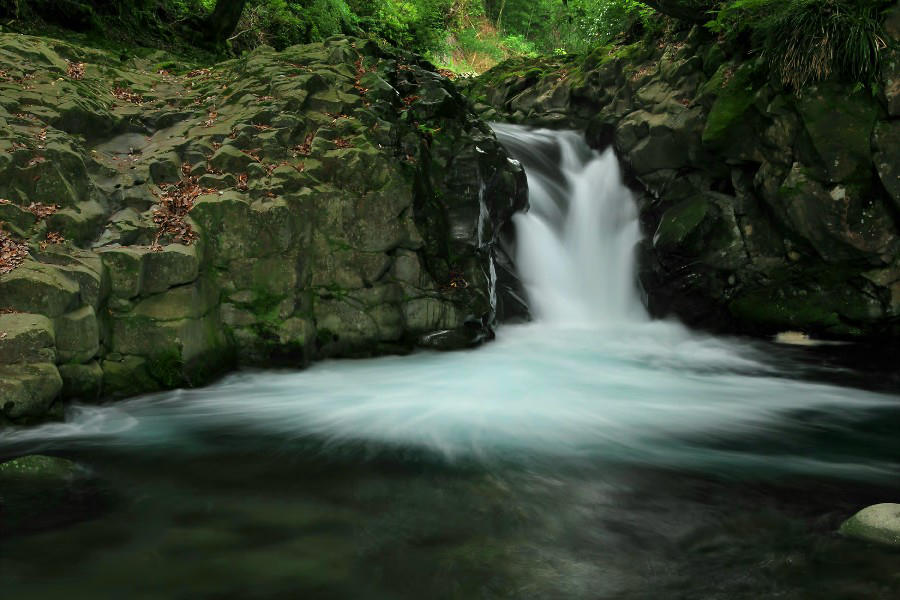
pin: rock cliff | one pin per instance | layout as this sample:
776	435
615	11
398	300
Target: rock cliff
164	223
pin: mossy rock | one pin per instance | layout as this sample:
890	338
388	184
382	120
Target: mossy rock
127	376
840	125
678	225
77	335
39	493
733	90
26	338
842	223
885	143
82	382
38	288
125	269
827	307
28	391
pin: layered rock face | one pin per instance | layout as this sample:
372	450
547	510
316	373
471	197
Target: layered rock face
763	210
162	224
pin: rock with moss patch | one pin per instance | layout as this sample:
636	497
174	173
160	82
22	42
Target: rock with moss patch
28	391
46	492
26	338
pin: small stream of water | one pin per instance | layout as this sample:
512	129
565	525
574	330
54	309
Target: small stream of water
593	453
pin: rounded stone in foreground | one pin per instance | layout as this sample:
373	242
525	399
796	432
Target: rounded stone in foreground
877	523
38	493
38	467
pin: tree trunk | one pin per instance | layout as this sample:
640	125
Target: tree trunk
224	19
693	11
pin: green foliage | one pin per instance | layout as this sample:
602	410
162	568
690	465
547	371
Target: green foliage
280	23
802	41
805	41
419	25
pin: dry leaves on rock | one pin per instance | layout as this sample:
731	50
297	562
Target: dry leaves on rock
12	253
305	148
408	101
175	202
127	95
457	281
254	154
42	211
54	237
205	73
75	70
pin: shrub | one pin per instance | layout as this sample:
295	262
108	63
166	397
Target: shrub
805	41
280	23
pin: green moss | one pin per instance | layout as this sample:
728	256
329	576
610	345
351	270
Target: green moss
265	304
679	222
167	368
38	467
735	94
791	312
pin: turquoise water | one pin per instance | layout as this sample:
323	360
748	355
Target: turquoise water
574	465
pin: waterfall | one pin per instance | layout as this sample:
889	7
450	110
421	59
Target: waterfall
593	377
576	244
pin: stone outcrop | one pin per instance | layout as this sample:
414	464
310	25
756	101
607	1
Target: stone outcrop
763	210
333	199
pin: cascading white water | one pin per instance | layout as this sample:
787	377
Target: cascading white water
592	376
576	246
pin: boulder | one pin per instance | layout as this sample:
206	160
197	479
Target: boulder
877	523
26	338
840	125
28	391
38	288
77	335
38	493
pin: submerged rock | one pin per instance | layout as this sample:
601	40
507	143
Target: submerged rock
877	523
43	492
